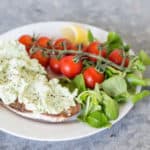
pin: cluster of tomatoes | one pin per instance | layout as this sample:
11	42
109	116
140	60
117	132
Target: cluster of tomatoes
66	65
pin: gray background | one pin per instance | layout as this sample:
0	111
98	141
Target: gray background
131	19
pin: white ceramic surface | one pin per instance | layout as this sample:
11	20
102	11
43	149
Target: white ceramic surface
18	126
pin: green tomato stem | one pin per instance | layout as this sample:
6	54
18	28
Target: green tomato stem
62	52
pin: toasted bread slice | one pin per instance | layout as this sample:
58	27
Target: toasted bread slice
20	109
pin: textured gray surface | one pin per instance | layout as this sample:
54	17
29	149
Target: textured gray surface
128	17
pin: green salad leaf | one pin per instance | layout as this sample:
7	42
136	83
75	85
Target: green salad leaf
90	101
65	82
79	83
110	71
136	65
122	97
115	86
90	36
89	107
126	48
114	41
111	107
82	97
147	81
135	80
139	96
113	37
144	57
97	102
97	119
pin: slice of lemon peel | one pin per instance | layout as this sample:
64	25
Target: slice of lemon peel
76	34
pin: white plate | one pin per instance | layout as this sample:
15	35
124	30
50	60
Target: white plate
18	126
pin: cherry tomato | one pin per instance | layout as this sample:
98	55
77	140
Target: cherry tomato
93	48
116	57
43	42
26	40
92	76
39	56
54	64
70	68
59	44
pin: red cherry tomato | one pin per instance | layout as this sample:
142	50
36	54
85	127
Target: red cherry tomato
26	40
54	64
39	56
92	76
43	42
117	58
93	48
58	44
70	68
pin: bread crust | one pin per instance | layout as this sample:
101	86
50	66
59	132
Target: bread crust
19	108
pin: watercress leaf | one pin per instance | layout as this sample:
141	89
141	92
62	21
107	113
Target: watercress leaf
113	37
122	97
94	106
90	36
65	82
135	80
87	108
94	96
126	48
113	46
82	97
147	81
113	41
115	86
90	102
137	65
139	96
110	71
144	57
90	106
111	107
79	83
97	119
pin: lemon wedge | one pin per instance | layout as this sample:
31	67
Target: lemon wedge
76	34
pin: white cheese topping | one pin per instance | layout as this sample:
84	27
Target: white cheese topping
25	80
